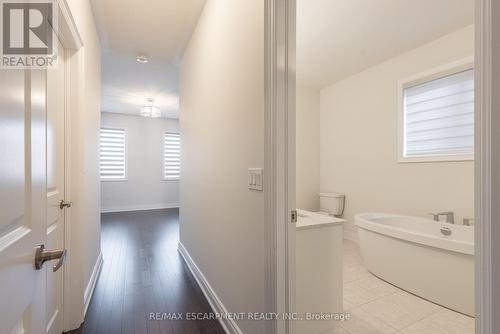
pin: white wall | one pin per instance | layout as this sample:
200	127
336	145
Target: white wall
145	187
359	141
84	217
222	127
307	148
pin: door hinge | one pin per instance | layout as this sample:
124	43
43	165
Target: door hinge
293	216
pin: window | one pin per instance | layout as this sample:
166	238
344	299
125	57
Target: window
171	156
112	154
438	116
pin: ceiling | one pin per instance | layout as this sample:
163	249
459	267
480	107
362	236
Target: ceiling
335	39
158	29
338	38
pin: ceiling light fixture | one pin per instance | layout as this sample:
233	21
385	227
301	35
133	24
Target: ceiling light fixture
150	110
142	59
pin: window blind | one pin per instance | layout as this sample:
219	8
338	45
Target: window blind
171	156
439	116
112	154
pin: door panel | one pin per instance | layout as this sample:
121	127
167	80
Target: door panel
55	190
31	187
22	200
12	151
16	235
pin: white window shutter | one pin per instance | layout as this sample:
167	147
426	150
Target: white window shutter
112	154
171	156
439	116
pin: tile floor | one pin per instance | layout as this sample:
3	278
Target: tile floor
377	307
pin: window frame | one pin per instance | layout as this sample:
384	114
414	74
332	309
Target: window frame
125	131
420	78
163	177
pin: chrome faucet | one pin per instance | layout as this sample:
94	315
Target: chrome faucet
468	221
450	216
435	216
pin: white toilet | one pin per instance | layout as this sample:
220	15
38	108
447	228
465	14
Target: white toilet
331	204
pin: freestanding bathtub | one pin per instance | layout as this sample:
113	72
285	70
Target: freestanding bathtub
433	260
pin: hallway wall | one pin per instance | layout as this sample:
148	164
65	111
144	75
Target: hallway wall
145	187
222	127
84	217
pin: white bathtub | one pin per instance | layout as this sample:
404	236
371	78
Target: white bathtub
413	254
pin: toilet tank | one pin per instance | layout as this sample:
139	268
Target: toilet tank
332	203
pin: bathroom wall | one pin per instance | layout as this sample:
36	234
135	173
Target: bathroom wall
145	187
358	141
222	124
307	145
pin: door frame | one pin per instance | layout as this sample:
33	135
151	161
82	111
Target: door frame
487	166
279	180
73	290
279	161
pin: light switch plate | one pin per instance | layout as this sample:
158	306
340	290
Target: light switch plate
255	179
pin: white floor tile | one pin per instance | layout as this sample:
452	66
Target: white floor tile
351	245
401	309
347	305
336	330
354	295
362	322
353	260
379	307
376	286
354	273
442	322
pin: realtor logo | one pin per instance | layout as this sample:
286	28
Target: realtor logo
27	34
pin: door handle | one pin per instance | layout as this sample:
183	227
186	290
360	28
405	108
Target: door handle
64	204
42	256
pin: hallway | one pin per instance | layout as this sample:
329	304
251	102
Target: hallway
143	273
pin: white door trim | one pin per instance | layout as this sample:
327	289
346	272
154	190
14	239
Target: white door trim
487	160
279	176
73	290
280	95
67	30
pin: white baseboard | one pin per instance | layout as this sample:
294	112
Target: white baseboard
229	325
139	207
351	235
89	289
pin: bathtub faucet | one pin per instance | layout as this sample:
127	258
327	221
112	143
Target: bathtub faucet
450	216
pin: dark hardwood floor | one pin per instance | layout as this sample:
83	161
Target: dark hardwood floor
143	273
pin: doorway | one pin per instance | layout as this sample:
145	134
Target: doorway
483	65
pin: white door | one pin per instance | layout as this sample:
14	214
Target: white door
31	165
22	198
55	189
